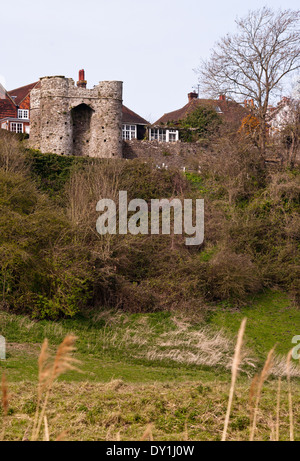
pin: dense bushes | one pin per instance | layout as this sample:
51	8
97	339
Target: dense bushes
53	262
43	270
199	124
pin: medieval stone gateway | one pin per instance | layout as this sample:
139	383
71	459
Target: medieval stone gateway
73	120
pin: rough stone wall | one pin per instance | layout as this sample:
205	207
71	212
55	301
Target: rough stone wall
68	120
190	156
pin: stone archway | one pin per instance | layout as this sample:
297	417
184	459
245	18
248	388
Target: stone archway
81	123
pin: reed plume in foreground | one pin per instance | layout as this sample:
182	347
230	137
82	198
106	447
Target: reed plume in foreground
49	371
278	410
288	375
259	384
234	372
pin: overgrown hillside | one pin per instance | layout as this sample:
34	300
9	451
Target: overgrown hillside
156	321
53	262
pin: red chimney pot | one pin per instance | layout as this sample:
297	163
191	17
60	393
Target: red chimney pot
81	80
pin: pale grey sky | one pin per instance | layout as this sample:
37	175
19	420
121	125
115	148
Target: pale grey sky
152	47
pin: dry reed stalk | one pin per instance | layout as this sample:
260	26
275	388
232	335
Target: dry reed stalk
278	410
272	435
263	376
234	372
49	372
252	396
4	399
288	377
186	434
46	428
4	403
25	436
148	434
43	374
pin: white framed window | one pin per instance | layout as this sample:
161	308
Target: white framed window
162	135
172	135
23	113
128	132
16	127
158	134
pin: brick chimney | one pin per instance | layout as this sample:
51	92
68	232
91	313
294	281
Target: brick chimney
192	96
81	81
222	97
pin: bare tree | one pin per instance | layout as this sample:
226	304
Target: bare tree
290	133
253	62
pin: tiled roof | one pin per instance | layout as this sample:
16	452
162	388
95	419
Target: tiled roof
22	92
7	108
230	110
128	116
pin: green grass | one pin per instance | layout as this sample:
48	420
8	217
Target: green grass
272	319
110	347
121	389
178	411
162	346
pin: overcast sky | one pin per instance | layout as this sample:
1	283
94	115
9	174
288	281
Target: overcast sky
152	46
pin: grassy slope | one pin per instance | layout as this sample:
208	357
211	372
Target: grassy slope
122	391
138	347
271	320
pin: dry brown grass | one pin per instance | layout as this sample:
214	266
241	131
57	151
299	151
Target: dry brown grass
12	159
198	347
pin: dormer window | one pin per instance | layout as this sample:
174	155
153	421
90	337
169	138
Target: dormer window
23	114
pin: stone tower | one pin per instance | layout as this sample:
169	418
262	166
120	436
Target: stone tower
70	120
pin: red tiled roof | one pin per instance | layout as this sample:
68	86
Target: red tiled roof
128	116
22	92
230	110
7	106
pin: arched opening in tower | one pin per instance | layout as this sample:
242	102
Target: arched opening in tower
81	121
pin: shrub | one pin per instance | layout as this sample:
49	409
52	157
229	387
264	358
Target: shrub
200	124
231	276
